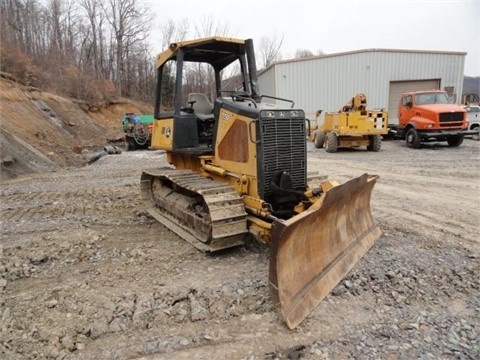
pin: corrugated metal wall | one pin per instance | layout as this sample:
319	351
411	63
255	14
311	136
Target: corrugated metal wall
267	84
329	82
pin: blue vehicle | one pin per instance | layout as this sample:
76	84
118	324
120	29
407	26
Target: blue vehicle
138	131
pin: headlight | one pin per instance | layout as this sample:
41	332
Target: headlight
282	114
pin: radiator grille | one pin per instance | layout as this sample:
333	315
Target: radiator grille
283	148
451	119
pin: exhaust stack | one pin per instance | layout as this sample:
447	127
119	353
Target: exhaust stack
252	69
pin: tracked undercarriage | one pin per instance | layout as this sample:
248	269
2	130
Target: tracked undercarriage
208	214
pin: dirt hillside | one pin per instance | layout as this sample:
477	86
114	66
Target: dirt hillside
41	131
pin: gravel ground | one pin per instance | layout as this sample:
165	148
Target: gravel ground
85	273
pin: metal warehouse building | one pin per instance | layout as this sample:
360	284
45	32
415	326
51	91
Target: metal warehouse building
328	82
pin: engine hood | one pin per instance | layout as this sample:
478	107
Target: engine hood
440	108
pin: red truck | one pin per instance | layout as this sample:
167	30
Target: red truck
429	116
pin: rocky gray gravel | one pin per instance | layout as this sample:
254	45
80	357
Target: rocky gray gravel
85	273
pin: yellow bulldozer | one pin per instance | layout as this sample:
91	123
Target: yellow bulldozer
352	126
238	168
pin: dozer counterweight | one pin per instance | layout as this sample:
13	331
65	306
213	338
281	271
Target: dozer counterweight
239	167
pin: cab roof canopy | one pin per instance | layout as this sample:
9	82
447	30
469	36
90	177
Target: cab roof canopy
217	51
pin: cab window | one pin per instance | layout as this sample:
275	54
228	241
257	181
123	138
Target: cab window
407	100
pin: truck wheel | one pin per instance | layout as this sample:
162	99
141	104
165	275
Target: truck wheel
332	142
477	135
412	138
455	140
319	139
375	143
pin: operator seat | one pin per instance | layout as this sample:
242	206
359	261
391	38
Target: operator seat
202	107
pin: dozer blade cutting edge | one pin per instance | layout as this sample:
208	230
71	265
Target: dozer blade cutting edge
312	252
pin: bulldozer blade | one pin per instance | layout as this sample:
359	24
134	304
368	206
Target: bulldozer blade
313	251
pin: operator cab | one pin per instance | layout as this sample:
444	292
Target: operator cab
193	80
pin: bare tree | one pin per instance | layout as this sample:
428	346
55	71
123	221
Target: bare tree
303	53
269	50
207	26
68	46
72	29
173	32
130	24
24	25
201	77
56	13
94	51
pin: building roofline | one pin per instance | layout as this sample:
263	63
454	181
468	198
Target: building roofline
363	51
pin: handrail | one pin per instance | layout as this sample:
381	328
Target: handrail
250	132
277	98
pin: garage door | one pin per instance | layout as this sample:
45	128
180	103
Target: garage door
397	88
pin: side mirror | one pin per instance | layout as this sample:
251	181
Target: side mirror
409	104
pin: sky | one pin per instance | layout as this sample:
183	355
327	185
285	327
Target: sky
333	26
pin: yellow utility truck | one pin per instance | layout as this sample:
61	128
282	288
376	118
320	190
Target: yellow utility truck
352	126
